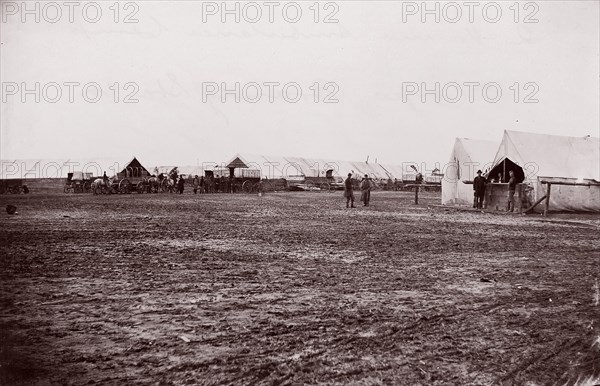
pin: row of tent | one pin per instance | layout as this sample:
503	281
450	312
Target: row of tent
247	165
536	159
300	168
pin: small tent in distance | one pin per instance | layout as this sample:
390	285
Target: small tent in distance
468	156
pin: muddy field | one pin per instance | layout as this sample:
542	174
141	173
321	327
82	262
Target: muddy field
293	288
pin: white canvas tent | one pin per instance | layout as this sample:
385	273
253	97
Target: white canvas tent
552	158
468	156
299	167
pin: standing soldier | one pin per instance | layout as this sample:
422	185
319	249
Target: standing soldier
202	185
478	190
512	184
180	184
217	183
349	191
365	187
211	184
196	183
231	183
105	179
223	184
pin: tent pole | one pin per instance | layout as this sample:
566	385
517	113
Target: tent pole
547	200
416	194
520	197
534	205
503	170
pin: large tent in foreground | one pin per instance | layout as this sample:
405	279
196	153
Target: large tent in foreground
468	156
570	164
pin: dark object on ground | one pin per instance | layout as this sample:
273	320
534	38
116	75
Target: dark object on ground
11	209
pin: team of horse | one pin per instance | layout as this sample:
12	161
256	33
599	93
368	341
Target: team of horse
153	184
102	186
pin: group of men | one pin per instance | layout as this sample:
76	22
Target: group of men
200	184
479	190
212	184
365	188
178	181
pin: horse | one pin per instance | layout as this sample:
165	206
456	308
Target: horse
167	184
100	186
153	184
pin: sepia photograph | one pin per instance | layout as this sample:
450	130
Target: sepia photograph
309	192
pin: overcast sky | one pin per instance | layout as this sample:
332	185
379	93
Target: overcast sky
367	61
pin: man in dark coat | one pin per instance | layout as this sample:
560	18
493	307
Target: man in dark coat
223	185
479	190
231	184
181	184
217	184
349	191
196	183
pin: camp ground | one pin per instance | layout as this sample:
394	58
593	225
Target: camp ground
278	282
241	193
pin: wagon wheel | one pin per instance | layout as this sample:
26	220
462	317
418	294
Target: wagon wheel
247	187
87	187
237	187
67	188
78	188
102	189
140	187
267	186
325	187
124	186
164	186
